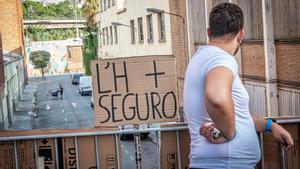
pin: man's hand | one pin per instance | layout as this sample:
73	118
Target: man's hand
206	130
283	136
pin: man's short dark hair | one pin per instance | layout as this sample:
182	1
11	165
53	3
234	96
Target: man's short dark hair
225	19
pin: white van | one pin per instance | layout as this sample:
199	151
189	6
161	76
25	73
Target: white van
85	85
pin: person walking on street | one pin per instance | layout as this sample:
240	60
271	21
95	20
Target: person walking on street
223	132
61	92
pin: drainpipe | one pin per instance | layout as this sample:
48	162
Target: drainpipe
1	109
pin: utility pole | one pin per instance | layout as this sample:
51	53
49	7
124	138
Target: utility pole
76	17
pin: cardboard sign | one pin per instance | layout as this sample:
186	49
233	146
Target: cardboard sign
46	149
108	152
7	159
134	90
26	156
69	153
169	151
87	152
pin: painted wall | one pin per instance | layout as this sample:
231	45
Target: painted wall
60	58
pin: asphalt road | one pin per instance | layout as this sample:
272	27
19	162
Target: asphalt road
74	111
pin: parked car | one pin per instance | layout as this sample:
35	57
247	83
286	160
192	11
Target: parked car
144	135
75	79
85	85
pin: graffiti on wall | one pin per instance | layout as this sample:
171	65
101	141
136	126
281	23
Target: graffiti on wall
59	61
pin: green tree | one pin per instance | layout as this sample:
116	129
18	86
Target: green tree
62	10
40	59
90	47
90	9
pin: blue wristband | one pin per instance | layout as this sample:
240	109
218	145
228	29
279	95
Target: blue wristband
268	125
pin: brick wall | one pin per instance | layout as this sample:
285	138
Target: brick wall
253	62
11	25
287	58
288	62
179	41
11	28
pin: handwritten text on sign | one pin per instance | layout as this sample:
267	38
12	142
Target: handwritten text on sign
134	90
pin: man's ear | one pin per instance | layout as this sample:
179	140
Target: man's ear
241	35
208	32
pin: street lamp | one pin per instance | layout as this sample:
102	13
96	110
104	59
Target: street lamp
159	11
122	24
154	10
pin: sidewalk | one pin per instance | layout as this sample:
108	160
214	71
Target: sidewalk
22	120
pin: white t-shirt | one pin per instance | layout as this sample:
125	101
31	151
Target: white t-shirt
243	152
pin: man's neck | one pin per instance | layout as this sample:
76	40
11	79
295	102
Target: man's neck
226	46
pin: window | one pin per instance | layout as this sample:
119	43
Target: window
106	34
161	27
111	34
140	29
150	28
108	3
103	36
113	2
120	6
116	34
104	4
101	5
132	31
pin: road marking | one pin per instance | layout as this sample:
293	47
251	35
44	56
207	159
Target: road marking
66	119
132	158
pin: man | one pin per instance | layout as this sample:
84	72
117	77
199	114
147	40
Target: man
215	98
61	92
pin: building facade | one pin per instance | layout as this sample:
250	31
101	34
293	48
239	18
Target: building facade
11	27
150	34
136	32
13	87
12	62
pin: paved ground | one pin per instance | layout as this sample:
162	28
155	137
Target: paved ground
74	111
22	120
149	154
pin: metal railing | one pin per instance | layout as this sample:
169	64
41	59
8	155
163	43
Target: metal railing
116	134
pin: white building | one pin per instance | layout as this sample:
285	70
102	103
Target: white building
137	32
150	33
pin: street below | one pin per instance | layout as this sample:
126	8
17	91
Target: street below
75	111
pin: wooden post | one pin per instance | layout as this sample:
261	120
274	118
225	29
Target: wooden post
189	26
270	59
207	7
238	55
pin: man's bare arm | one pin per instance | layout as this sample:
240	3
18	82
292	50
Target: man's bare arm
260	123
279	133
219	101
